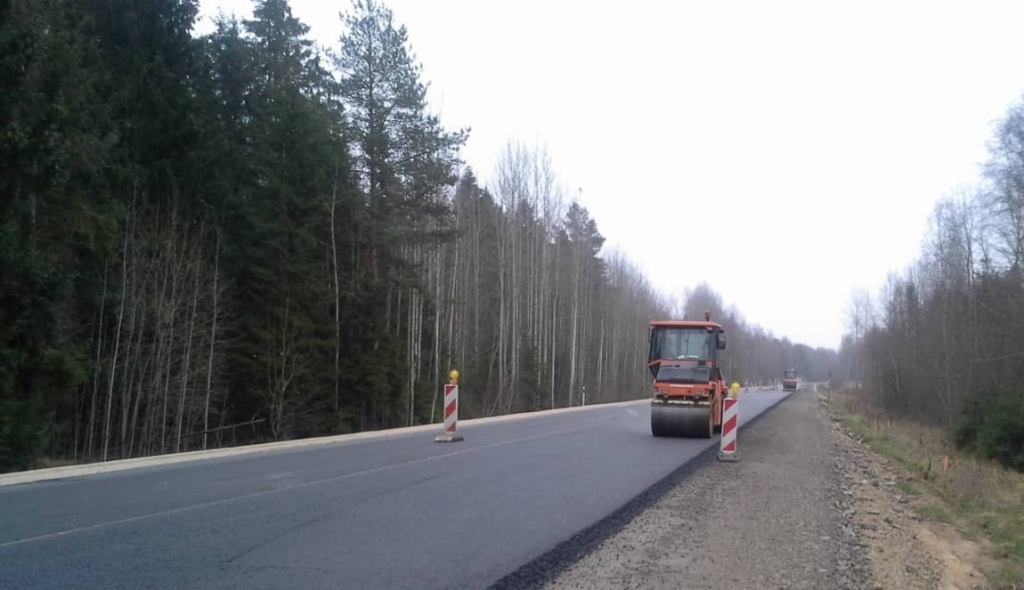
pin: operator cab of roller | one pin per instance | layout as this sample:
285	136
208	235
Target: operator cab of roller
685	351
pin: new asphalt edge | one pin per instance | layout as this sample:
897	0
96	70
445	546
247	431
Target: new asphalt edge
551	564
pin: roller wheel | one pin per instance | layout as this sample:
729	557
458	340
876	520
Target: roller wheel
681	421
658	424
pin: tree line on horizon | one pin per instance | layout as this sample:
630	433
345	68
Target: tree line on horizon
943	341
240	237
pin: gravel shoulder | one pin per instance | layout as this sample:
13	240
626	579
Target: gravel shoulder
808	505
906	548
782	517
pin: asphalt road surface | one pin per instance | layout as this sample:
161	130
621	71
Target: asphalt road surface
397	512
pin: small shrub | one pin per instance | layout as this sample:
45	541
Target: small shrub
995	430
965	434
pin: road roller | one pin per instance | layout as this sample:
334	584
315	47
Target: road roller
789	380
689	387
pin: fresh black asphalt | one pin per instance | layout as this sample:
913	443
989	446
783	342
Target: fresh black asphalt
396	512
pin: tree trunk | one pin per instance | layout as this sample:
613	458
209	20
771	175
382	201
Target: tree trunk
117	344
337	301
213	331
187	361
91	429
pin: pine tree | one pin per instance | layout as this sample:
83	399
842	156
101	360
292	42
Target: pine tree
405	161
54	137
282	286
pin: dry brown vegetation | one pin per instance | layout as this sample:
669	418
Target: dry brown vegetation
981	499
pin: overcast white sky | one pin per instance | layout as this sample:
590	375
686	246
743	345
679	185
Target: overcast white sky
785	152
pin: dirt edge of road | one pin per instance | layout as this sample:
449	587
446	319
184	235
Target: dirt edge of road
906	548
550	565
779	518
807	506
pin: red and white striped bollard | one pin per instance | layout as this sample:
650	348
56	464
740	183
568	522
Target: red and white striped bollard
451	410
730	422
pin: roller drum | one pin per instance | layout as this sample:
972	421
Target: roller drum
681	421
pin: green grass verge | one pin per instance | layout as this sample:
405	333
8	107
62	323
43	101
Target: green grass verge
935	512
978	497
908	488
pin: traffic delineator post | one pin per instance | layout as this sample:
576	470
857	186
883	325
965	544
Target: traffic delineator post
730	421
451	410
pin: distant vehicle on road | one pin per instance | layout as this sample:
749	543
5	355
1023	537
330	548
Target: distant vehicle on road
789	380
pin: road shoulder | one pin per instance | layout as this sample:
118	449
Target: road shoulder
779	518
901	519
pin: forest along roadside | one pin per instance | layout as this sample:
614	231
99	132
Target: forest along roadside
779	518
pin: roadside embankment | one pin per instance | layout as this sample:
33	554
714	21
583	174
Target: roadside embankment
779	518
917	494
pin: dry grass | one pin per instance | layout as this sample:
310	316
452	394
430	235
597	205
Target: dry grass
45	462
981	498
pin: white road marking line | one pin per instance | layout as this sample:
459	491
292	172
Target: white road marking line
130	519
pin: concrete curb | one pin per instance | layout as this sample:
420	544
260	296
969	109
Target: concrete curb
68	471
